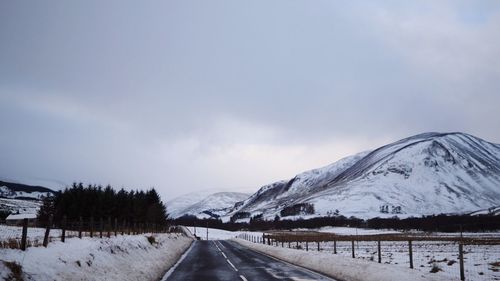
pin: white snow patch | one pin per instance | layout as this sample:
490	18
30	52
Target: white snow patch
128	257
341	267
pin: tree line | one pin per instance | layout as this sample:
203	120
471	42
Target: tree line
95	202
441	223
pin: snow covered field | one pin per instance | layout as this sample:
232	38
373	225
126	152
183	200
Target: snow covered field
352	230
341	267
23	206
128	257
479	260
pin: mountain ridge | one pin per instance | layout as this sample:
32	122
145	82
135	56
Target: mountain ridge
461	170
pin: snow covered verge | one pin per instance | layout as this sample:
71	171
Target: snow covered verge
128	257
341	268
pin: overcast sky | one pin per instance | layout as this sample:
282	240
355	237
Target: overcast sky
190	95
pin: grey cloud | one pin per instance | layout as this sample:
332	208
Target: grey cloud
105	91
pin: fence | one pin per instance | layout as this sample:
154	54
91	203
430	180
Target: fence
466	258
92	228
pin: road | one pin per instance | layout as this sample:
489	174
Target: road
227	260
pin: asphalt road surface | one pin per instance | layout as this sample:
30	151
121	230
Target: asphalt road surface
227	260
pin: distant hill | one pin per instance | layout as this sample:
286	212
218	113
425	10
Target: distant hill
21	198
426	174
19	187
204	204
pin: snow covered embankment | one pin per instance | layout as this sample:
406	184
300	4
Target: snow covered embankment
129	257
339	267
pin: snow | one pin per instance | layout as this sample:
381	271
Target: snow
217	203
218	234
21	206
353	230
128	257
34	233
426	174
21	216
342	268
8	193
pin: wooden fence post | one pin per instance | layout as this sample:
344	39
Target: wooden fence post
91	227
352	247
289	246
63	234
335	246
24	236
100	227
109	227
318	247
47	232
80	228
410	249
379	252
461	258
307	246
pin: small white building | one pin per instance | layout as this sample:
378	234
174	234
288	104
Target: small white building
17	219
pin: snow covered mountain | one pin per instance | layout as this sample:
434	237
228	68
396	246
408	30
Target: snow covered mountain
204	204
22	191
21	198
425	174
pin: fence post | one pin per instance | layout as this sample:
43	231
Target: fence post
91	227
352	247
410	249
80	228
307	246
318	247
100	227
63	234
24	235
461	258
379	252
335	246
289	244
109	227
47	232
297	244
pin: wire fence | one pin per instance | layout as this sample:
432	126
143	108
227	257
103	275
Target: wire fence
26	235
469	258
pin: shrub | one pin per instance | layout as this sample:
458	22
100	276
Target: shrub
151	239
15	269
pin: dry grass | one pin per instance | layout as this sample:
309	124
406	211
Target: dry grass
16	271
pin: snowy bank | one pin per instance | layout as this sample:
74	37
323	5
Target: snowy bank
128	257
341	268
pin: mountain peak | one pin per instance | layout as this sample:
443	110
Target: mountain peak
423	174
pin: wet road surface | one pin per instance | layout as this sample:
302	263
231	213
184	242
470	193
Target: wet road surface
227	260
